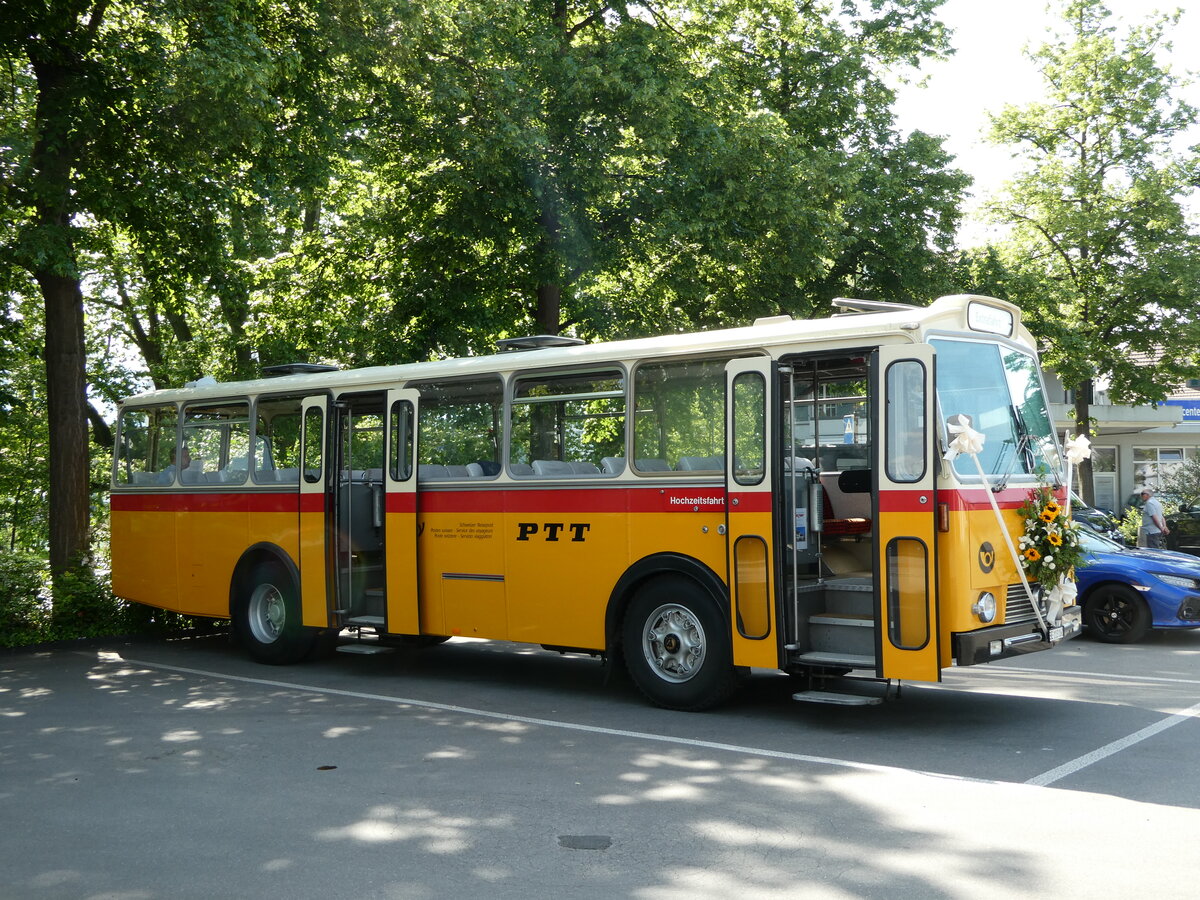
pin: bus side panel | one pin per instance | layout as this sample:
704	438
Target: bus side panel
143	550
563	564
210	542
461	563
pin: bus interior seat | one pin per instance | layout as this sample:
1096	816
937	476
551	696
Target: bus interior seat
612	465
702	463
474	470
143	477
287	476
552	467
653	465
458	472
520	468
845	513
584	468
432	472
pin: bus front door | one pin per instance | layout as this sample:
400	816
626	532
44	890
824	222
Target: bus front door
314	511
905	517
400	531
748	511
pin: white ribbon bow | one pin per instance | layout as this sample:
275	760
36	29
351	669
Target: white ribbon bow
1078	449
966	439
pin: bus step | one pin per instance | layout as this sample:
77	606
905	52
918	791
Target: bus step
836	699
368	621
853	660
364	649
852	620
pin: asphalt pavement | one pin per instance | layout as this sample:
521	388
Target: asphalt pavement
180	769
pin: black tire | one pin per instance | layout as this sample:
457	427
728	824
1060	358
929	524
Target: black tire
267	619
676	645
1115	614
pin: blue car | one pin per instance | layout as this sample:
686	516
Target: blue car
1126	592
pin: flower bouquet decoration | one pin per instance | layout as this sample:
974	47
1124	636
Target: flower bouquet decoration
1049	546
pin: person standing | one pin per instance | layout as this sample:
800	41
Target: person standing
1154	523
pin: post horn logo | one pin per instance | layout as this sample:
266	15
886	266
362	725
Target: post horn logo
987	557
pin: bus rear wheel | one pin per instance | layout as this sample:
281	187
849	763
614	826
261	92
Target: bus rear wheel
267	618
676	646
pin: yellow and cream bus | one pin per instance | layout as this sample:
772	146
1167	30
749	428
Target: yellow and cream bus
772	496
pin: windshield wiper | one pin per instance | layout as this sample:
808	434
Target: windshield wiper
1024	448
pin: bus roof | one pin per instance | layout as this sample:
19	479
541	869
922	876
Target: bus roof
950	314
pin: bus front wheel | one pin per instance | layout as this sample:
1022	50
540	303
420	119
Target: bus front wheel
267	619
676	646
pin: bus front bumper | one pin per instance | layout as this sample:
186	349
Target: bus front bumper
1004	641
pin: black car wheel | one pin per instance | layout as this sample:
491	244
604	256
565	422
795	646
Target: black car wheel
1115	614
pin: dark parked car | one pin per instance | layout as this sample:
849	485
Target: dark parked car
1183	523
1098	520
1125	592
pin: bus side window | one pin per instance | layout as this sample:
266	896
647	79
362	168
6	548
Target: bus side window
216	437
567	424
460	422
679	416
277	440
145	445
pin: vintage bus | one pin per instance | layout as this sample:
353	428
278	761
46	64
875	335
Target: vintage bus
689	506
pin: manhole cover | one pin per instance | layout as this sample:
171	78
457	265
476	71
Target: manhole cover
585	841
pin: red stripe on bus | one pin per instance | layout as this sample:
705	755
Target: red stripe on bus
594	500
491	500
223	501
967	499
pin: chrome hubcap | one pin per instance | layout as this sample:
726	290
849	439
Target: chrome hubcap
673	643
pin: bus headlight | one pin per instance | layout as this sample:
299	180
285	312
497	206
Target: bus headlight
985	608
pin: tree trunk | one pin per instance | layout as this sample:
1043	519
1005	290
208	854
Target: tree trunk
66	403
1083	426
549	302
57	67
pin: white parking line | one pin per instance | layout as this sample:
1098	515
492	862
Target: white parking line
554	723
1082	762
992	667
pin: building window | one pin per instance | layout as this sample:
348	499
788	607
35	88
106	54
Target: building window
1152	464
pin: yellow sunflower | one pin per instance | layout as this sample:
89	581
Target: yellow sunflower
1032	554
1055	538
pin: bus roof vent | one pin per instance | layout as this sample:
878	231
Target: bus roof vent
851	306
772	320
297	368
537	342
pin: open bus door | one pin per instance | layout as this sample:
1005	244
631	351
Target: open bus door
314	512
749	480
906	523
400	530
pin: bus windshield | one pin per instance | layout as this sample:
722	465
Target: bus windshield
999	388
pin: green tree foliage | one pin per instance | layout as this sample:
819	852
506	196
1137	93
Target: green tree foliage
626	168
1102	256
